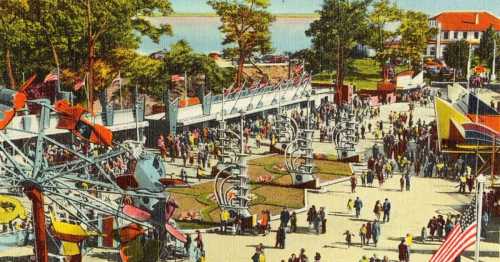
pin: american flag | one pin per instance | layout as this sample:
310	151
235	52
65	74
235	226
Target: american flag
176	78
462	236
117	80
50	77
78	84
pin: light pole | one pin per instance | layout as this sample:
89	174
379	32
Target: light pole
479	213
308	95
242	127
493	76
469	65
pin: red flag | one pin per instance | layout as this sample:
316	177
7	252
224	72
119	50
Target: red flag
50	78
298	69
78	84
176	78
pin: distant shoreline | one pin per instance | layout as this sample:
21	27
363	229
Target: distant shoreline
279	15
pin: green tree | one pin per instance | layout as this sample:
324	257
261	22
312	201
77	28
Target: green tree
414	32
342	25
485	49
13	32
382	15
75	33
456	56
245	25
182	59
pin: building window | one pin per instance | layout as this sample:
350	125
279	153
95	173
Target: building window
446	35
464	35
432	51
476	35
455	35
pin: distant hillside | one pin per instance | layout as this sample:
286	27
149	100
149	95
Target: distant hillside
279	15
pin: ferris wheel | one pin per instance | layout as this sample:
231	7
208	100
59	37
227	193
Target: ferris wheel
122	181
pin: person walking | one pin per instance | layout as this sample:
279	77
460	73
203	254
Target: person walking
368	232
302	255
322	217
350	205
407	181
317	223
387	210
377	209
348	238
363	179
432	225
402	183
362	234
280	238
354	182
375	232
358	204
404	252
311	214
423	234
256	255
284	217
293	222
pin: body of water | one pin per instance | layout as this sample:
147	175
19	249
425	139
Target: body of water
202	33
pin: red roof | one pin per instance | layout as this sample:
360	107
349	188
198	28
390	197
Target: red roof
466	21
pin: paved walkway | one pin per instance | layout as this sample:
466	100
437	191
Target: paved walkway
410	211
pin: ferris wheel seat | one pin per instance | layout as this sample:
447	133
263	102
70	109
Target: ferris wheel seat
71	118
69	232
10	102
126	181
136	213
11	209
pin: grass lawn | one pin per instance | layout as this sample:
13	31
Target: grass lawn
273	196
365	76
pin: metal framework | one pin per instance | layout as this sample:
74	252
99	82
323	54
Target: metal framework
61	184
231	186
345	134
299	158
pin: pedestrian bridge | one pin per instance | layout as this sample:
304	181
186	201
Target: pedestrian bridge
248	101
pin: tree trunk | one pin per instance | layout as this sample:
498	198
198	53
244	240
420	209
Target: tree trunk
10	71
90	62
262	72
239	73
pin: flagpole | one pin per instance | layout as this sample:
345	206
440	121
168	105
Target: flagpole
469	65
185	85
137	113
58	81
479	213
120	85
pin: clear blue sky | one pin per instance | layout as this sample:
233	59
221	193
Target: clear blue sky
430	7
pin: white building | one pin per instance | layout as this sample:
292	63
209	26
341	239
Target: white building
457	25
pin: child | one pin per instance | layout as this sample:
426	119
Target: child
348	238
350	205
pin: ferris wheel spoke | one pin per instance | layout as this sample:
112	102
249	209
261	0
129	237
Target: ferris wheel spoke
111	211
72	166
85	221
126	192
14	163
16	149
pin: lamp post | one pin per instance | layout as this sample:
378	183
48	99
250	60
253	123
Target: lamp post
469	65
242	127
493	76
479	213
308	95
